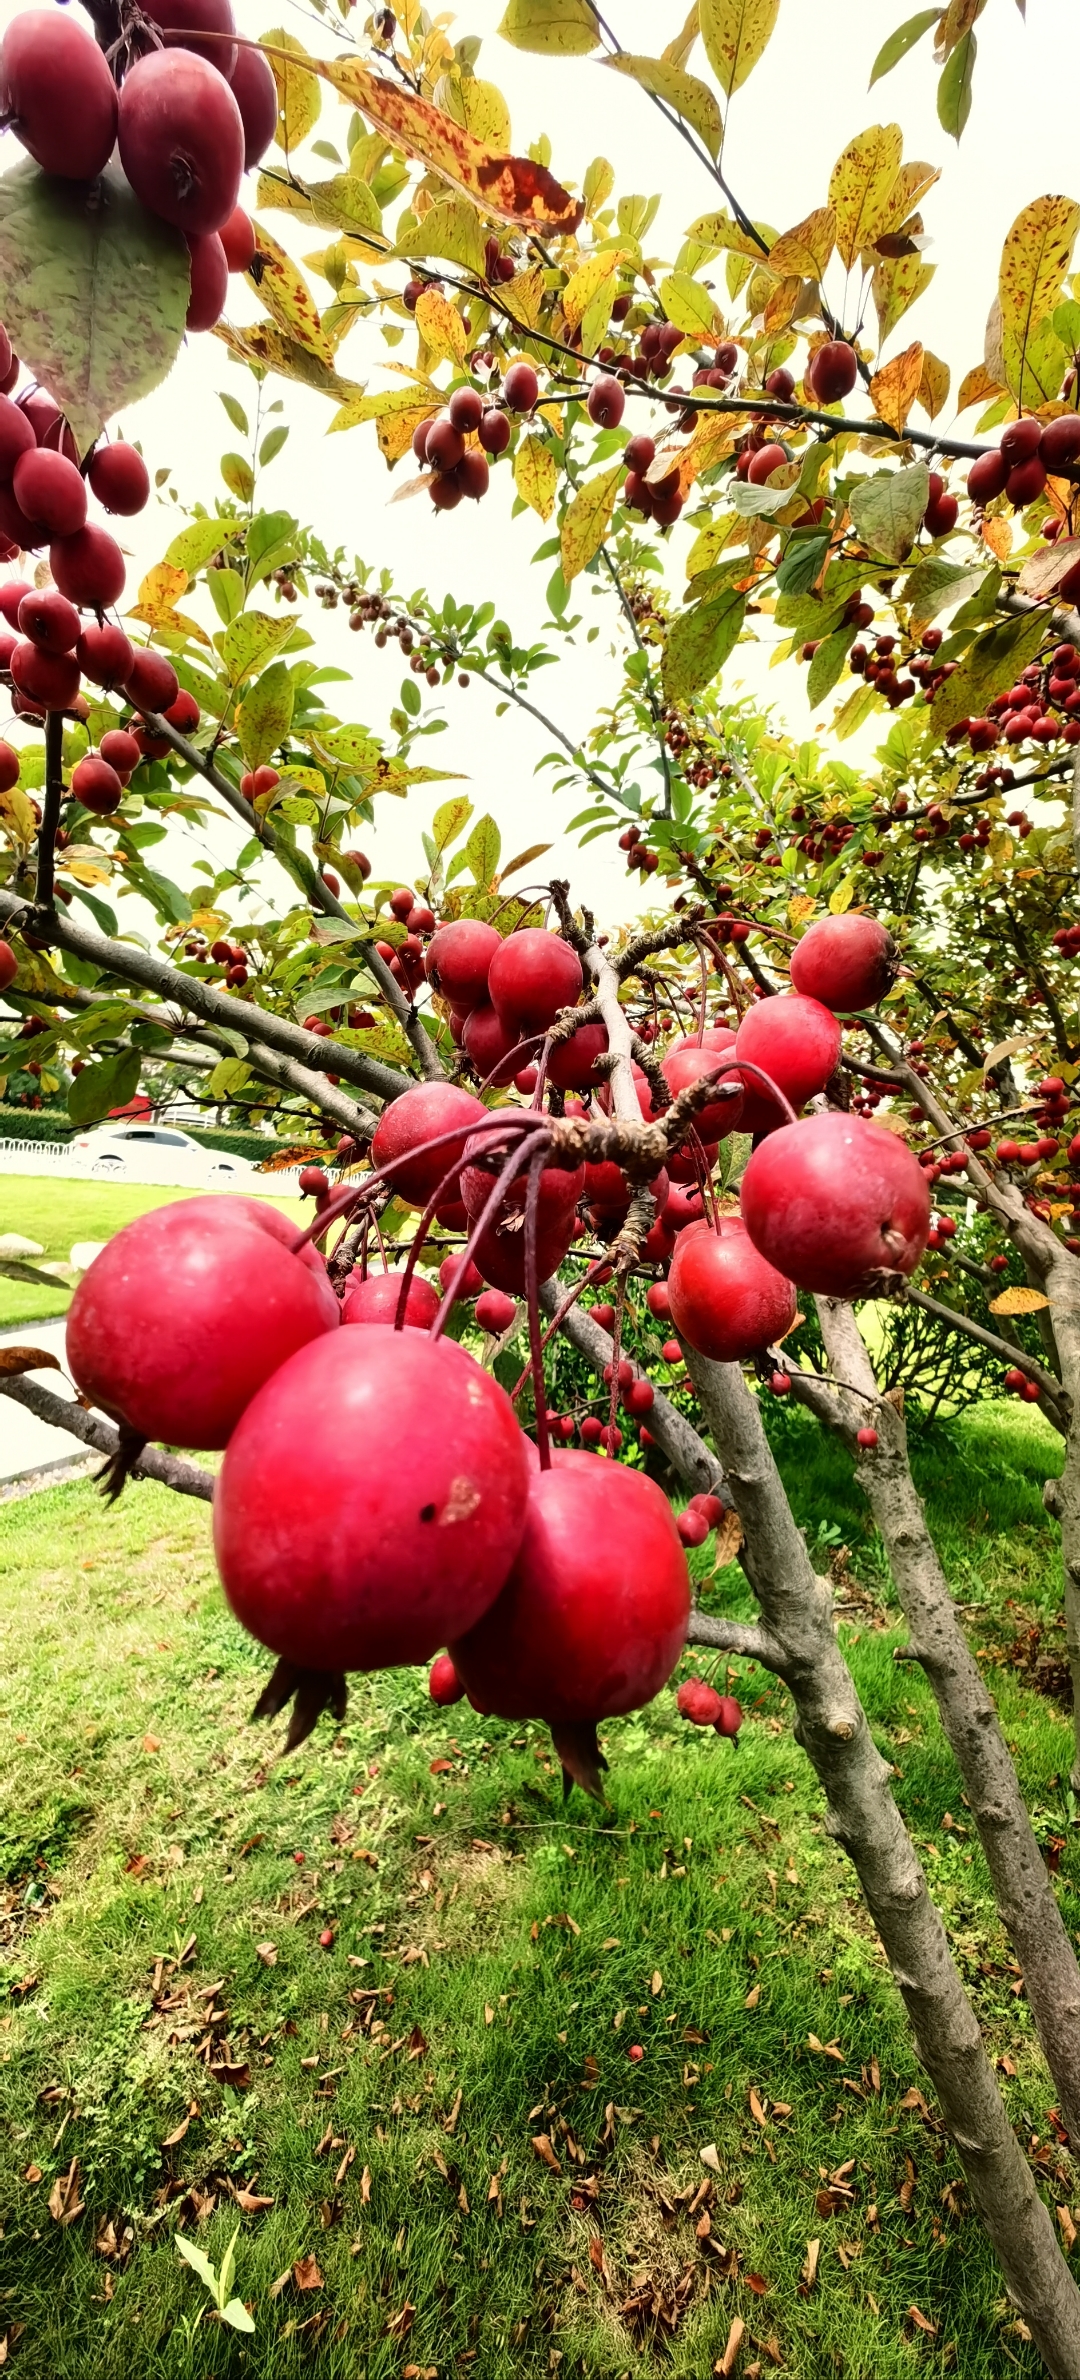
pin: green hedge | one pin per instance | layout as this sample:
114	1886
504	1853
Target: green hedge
29	1123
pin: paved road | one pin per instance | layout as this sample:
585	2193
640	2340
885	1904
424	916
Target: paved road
27	1444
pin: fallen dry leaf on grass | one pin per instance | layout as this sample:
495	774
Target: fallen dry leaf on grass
65	2202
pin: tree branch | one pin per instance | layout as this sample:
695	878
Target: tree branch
188	993
736	1636
310	882
63	1414
965	1323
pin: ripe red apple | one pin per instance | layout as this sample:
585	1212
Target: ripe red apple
797	1042
49	620
847	963
58	95
838	1202
457	959
593	1616
376	1300
726	1299
119	478
152	683
9	965
188	1310
182	21
209	280
833	371
95	783
531	976
444	1684
181	139
50	490
341	1559
255	93
50	680
88	568
419	1116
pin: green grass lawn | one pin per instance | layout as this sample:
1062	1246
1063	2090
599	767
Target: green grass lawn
56	1214
439	2153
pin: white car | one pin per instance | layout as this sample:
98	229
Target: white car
137	1152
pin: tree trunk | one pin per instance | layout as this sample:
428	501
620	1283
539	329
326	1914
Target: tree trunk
1022	1888
863	1816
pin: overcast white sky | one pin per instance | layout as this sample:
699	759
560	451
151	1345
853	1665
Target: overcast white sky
786	127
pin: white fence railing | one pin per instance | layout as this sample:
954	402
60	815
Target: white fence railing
56	1161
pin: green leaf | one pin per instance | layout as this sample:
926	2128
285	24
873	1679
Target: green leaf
935	585
410	697
689	306
251	641
236	412
451	228
900	42
483	851
691	99
801	566
226	594
166	896
95	291
229	1076
266	714
238	476
273	538
111	1083
194	2256
273	443
827	665
954	88
888	508
699	642
192	549
566	28
994	663
450	820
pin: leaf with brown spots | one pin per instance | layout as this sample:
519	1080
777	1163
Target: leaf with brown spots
285	294
513	189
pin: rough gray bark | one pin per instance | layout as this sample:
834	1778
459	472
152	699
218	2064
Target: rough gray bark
168	1469
862	1815
191	997
1022	1887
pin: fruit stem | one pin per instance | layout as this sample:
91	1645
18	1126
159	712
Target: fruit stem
532	1307
50	814
512	1166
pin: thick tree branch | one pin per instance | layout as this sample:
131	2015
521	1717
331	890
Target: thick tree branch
63	1414
739	1637
1022	1886
862	1816
191	996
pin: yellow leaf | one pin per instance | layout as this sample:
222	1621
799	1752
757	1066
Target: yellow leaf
583	285
535	476
1019	1301
997	534
690	307
843	897
780	306
861	181
897	284
394	431
678	51
895	388
441	327
586	521
299	96
513	189
285	294
452	228
158	593
15	807
976	388
934	385
477	105
372	406
799	908
525	297
566	27
715	437
691	99
911	184
806	249
1034	262
736	34
720	231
